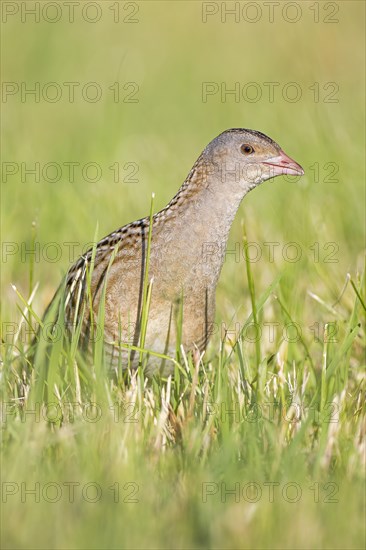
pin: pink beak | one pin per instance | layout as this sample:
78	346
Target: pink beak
284	165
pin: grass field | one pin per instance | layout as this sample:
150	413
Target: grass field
261	444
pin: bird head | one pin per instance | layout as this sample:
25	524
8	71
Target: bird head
248	158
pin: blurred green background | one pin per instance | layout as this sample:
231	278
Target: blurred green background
164	58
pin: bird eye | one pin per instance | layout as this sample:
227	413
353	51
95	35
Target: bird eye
247	149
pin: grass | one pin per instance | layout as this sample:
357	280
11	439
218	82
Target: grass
260	443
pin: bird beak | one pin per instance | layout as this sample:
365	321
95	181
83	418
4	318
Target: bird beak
284	165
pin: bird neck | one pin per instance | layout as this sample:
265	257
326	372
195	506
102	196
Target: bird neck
201	213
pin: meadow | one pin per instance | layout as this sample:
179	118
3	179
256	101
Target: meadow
260	443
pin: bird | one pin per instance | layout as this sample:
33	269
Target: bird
177	285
